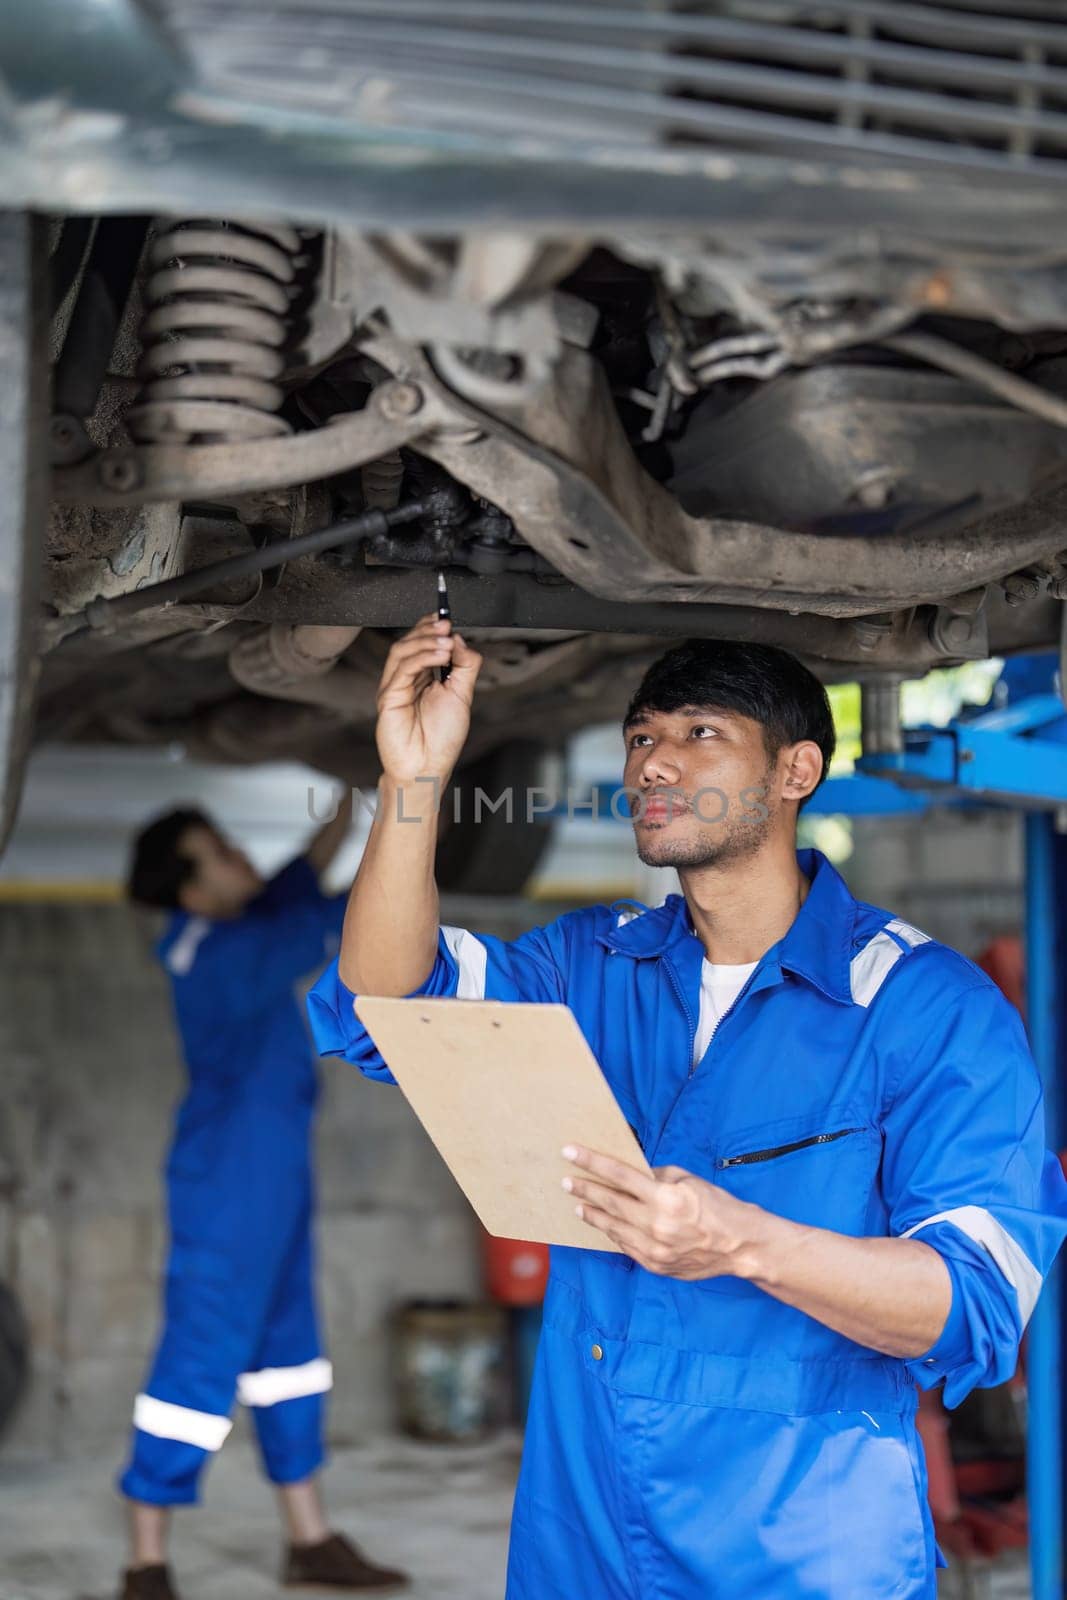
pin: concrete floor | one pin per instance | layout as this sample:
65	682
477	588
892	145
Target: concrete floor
440	1511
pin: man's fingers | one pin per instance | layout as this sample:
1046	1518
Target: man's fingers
409	649
464	658
628	1238
615	1202
624	1234
617	1174
430	638
423	633
427	627
466	665
435	633
462	647
400	675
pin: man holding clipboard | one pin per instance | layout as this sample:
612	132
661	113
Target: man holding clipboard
849	1192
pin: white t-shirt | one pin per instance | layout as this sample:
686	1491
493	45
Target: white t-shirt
719	988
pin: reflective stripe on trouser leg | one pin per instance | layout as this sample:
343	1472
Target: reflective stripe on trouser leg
287	1405
291	1435
182	1417
240	1247
171	1444
269	1385
211	1336
286	1390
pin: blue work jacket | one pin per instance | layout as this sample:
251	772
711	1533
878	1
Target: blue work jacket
701	1439
252	1079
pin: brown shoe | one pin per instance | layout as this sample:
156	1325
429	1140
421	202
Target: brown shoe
147	1583
338	1564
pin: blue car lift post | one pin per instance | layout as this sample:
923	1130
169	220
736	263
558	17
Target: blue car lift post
1015	757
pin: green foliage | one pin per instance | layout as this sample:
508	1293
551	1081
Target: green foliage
845	705
935	699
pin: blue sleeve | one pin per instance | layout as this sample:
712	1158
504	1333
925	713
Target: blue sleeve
298	881
298	885
467	966
263	955
965	1170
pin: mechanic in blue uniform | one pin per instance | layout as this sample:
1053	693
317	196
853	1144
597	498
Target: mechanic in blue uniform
851	1194
240	1316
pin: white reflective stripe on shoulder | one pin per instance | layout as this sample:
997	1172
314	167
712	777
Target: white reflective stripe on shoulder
182	953
905	931
167	1421
470	956
271	1384
979	1225
868	971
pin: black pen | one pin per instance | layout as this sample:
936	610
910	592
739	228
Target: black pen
443	615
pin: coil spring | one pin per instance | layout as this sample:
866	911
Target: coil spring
381	482
218	302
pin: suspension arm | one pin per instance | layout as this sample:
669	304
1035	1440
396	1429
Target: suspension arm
138	474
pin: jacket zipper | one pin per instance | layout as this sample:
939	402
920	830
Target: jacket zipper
752	1156
683	1002
691	1020
691	1024
727	1014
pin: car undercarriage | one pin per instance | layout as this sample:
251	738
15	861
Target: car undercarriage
792	370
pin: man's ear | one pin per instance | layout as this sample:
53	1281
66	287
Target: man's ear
803	769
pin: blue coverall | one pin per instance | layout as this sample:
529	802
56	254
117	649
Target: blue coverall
703	1439
239	1299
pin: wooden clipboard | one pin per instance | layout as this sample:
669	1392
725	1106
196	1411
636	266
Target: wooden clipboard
501	1088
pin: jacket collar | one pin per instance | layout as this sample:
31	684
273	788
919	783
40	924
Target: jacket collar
818	946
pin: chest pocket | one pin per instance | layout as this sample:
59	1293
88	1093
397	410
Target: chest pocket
818	1169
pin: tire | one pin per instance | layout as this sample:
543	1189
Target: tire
491	855
23	492
14	1355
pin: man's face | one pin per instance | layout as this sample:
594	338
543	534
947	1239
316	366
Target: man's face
224	880
702	788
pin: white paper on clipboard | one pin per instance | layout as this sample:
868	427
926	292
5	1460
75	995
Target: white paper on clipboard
500	1088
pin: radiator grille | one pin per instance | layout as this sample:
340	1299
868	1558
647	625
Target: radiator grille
975	86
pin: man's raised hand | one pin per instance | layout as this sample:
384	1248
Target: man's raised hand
422	724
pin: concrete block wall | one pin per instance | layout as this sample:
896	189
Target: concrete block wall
89	1078
956	875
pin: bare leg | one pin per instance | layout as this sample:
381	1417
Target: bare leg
149	1526
304	1513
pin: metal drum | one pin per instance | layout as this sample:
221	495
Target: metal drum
448	1368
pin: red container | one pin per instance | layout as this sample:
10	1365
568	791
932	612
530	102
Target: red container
516	1271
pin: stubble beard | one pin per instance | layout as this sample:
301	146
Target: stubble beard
713	846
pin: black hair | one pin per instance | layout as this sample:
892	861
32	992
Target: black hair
159	870
753	680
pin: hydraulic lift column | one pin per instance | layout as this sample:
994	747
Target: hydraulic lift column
1046	991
